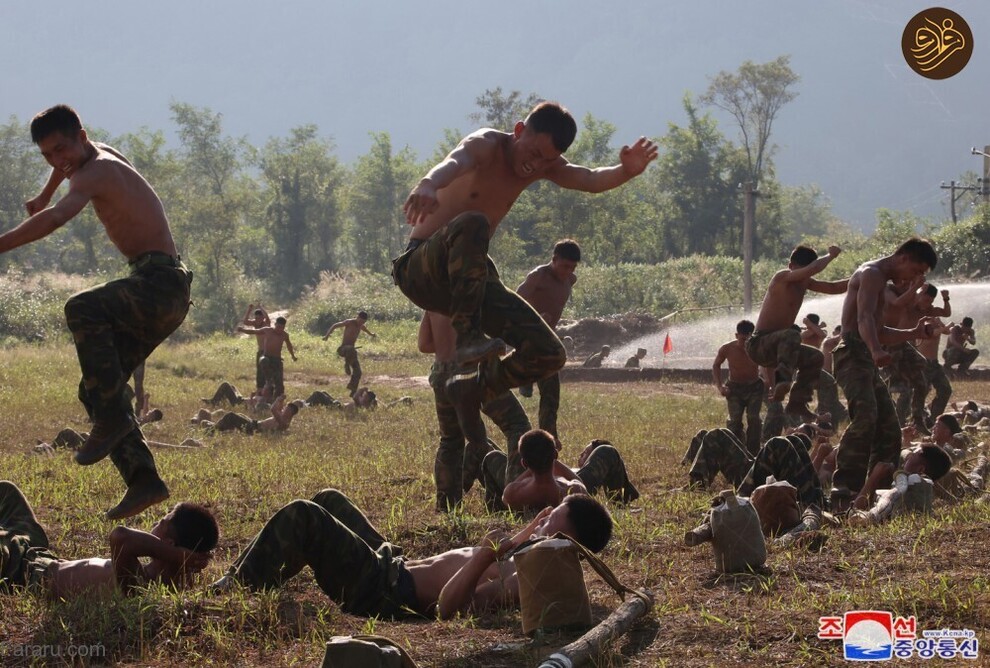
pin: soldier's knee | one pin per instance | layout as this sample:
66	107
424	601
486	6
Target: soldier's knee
329	495
78	305
557	356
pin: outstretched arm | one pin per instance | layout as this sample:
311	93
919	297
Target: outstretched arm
45	222
368	331
633	160
333	327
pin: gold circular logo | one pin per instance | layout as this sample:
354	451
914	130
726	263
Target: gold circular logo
937	43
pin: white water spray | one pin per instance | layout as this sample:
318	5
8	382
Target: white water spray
695	343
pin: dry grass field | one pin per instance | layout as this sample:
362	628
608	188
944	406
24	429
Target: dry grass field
934	567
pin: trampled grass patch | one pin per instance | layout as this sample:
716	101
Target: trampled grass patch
932	567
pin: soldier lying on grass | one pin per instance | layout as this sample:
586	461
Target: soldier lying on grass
364	574
178	546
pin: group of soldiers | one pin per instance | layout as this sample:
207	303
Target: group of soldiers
486	340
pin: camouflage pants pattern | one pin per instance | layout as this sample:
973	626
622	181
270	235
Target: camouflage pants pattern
549	402
451	273
775	420
795	362
457	465
786	458
226	393
936	378
828	399
603	470
115	326
746	398
351	366
964	357
719	450
351	561
873	434
236	422
907	368
273	370
24	550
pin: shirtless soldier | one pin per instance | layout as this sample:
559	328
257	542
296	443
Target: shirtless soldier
364	574
115	326
873	435
907	366
272	339
934	373
454	211
776	343
744	390
257	318
547	289
352	329
178	546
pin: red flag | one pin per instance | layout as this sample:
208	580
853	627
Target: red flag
668	345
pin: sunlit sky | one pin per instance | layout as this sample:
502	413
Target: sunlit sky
864	127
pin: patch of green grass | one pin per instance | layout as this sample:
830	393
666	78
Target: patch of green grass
934	567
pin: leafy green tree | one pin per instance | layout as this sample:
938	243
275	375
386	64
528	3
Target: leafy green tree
378	186
22	172
303	218
500	110
699	171
753	96
216	199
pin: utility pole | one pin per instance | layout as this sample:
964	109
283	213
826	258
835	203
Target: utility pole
749	222
953	197
985	181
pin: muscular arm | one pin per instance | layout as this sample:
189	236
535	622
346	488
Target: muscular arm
871	285
809	270
632	161
474	150
829	287
333	327
717	369
45	222
368	331
460	592
288	346
41	201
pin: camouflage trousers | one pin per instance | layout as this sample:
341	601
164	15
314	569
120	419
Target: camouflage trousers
964	357
226	393
351	366
936	378
115	327
795	362
873	434
828	398
549	402
746	398
457	465
236	422
273	369
717	451
351	561
603	470
786	458
775	420
24	550
451	273
907	369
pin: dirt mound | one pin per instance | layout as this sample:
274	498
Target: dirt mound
590	334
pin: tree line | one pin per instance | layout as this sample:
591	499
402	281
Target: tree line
270	220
